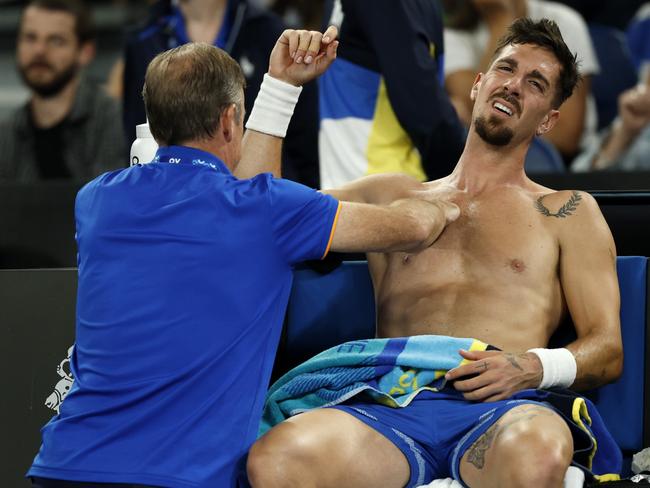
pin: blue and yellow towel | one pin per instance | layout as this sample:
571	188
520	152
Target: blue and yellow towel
393	371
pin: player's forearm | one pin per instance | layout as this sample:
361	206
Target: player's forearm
266	128
383	188
599	361
359	191
268	122
261	153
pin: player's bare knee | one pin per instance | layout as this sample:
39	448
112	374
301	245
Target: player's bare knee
537	466
268	469
537	445
278	459
259	457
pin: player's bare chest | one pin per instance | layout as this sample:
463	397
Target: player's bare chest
493	235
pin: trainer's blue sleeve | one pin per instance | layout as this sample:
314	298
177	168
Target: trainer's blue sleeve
302	219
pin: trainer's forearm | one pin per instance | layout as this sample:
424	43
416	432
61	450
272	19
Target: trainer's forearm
406	225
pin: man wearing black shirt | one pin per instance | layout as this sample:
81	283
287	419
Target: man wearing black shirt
68	128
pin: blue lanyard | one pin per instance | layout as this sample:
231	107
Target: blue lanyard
189	156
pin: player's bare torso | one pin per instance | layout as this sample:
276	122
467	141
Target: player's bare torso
493	274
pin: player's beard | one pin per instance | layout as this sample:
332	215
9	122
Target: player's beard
52	86
490	132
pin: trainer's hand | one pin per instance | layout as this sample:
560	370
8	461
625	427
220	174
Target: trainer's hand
495	375
300	56
428	217
438	213
444	210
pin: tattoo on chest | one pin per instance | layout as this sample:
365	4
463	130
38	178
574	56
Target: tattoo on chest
565	210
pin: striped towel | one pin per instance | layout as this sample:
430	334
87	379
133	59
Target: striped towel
392	371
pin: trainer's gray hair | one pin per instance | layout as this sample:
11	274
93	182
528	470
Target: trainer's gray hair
186	90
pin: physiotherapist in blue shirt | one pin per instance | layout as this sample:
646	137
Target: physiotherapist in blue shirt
185	268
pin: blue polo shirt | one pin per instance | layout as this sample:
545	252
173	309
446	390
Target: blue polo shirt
184	277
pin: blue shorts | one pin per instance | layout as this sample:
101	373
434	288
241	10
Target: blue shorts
434	430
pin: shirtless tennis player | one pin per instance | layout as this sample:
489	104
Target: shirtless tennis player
517	260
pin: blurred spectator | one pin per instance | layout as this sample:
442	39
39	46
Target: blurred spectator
245	31
299	14
382	104
625	145
69	128
638	37
474	27
605	12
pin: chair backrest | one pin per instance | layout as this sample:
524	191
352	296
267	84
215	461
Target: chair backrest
617	71
328	309
624	404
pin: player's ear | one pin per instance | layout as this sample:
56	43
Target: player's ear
548	122
477	84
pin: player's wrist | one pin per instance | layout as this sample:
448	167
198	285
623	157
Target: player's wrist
273	107
283	77
558	365
535	370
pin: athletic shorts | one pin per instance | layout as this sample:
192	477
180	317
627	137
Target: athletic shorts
434	430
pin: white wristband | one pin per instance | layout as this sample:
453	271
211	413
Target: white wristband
559	367
273	107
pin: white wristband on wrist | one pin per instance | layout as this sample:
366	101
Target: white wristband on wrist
273	107
559	367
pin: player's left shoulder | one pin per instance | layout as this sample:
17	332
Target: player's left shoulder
576	220
564	205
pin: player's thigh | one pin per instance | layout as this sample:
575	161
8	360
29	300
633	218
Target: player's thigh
338	448
526	438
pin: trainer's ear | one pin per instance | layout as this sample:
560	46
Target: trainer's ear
229	122
548	122
475	87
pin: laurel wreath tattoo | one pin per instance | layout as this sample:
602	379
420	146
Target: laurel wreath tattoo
565	210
